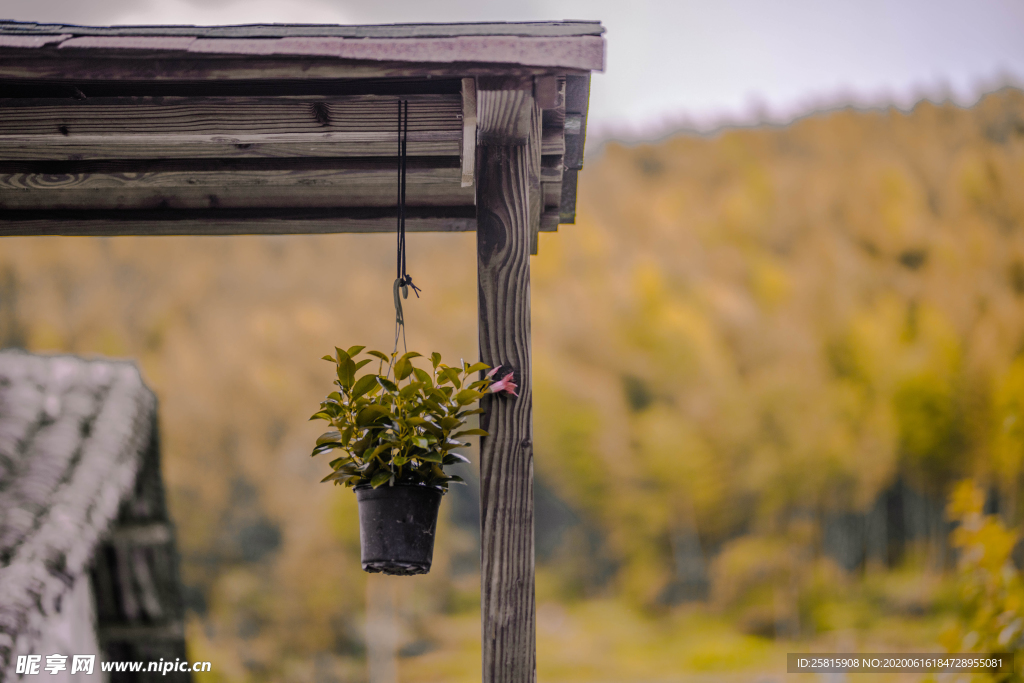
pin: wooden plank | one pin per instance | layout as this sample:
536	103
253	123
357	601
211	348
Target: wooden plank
468	131
281	145
577	100
497	28
549	221
506	455
554	117
182	223
567	204
504	117
101	65
552	194
216	127
551	169
536	195
546	91
569	52
64	89
363	184
552	142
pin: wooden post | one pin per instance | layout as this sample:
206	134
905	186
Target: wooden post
506	457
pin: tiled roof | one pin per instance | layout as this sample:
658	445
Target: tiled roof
72	436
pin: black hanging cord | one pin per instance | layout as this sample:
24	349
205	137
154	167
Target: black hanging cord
403	280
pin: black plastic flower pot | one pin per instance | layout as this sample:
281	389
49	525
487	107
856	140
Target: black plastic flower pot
396	527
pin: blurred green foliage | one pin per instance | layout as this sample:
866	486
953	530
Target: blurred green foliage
762	361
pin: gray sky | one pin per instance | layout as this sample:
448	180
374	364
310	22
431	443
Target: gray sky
690	63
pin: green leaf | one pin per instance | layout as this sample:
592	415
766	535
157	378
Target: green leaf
421	442
323	448
477	367
403	369
336	476
435	359
456	479
353	351
379	354
380	479
423	376
449	422
342	355
328	437
467	396
434	407
322	416
378	450
363	385
346	372
471	432
371	414
455	458
452	375
432	429
328	357
474	411
360	364
410	390
387	384
430	456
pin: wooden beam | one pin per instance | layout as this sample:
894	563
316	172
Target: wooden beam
536	196
552	142
504	116
217	185
101	65
567	52
506	455
227	127
217	223
468	131
567	210
552	194
549	221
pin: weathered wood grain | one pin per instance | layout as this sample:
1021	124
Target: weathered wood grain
567	210
506	456
504	117
552	194
468	131
531	28
279	145
359	184
536	195
226	115
142	65
552	142
213	127
198	223
549	221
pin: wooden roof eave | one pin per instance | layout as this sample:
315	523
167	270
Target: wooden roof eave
302	171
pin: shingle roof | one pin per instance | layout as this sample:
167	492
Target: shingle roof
72	435
556	44
546	29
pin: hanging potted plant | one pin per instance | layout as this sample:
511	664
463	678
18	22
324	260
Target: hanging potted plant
397	429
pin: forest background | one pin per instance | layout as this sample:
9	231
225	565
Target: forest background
764	359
